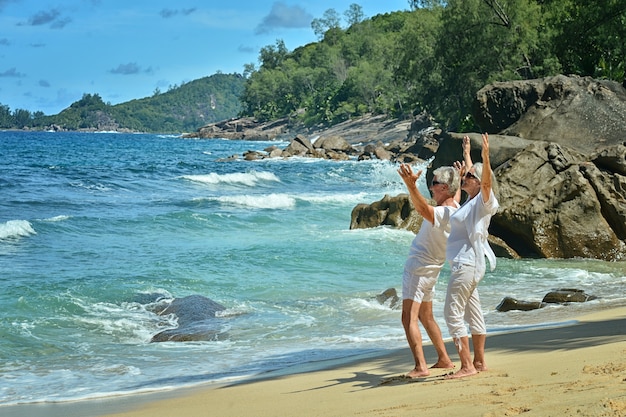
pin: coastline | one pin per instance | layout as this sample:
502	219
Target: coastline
576	368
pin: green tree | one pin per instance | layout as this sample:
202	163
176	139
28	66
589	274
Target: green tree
354	14
6	119
589	37
482	41
331	20
271	57
21	118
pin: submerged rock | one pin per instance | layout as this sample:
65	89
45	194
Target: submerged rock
390	297
509	303
560	296
567	295
197	321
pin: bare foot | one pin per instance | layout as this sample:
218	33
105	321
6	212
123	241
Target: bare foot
443	365
462	373
416	373
480	366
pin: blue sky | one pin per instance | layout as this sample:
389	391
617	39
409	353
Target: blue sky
53	52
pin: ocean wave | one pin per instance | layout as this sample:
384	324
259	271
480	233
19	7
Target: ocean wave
59	218
91	187
16	229
249	179
334	198
266	201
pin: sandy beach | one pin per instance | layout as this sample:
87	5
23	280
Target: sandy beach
577	369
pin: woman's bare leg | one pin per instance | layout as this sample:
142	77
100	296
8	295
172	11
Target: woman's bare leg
467	367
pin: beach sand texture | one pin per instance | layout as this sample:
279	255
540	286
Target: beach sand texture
573	370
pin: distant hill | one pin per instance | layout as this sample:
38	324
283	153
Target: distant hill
182	109
185	108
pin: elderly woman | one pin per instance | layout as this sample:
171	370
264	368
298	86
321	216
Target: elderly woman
425	260
466	251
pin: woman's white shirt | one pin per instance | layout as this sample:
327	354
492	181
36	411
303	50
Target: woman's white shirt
467	243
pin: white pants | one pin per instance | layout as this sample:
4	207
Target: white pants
462	303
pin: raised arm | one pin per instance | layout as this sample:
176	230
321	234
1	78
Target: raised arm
467	158
419	201
485	181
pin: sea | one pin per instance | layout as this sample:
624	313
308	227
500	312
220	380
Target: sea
93	225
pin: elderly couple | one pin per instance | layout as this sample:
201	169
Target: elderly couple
457	234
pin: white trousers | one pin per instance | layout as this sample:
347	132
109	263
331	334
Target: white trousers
462	303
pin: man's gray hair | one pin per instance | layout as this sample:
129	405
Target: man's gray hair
449	176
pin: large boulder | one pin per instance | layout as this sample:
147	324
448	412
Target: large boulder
389	211
580	112
501	149
555	203
333	143
196	317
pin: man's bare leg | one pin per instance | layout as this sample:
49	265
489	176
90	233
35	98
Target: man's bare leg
410	314
434	333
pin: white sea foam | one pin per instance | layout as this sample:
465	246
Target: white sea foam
249	179
15	229
334	198
266	201
59	218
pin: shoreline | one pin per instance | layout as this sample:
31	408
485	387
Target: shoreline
577	365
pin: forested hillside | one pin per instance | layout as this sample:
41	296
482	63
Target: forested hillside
181	109
434	58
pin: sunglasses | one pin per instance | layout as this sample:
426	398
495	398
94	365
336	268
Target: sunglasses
470	175
435	182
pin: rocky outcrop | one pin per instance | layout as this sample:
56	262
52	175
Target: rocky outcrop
367	129
196	317
369	137
557	203
579	112
245	128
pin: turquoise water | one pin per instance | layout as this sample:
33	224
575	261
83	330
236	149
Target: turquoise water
92	222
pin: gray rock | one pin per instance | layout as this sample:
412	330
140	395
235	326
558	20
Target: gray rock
579	112
196	316
389	297
509	303
555	204
333	143
566	295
